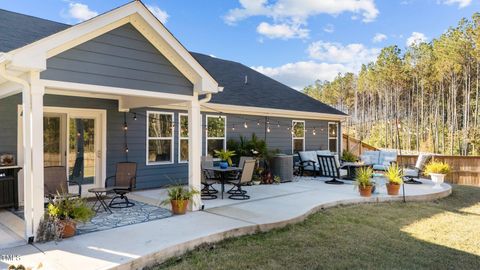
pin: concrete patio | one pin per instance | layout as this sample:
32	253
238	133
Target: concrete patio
139	245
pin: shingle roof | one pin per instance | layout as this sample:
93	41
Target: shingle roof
18	30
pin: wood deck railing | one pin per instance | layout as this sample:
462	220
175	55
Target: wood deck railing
465	170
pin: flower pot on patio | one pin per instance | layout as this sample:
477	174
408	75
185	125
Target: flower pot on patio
223	164
393	189
365	191
437	179
179	207
69	228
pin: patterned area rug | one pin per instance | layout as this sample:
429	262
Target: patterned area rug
139	213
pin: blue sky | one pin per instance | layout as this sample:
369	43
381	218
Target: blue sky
294	41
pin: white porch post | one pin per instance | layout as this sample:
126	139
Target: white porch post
33	153
195	151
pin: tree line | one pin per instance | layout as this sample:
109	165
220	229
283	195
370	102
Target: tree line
424	99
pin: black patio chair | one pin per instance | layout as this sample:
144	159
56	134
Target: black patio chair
122	183
208	180
328	167
243	179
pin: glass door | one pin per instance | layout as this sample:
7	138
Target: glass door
54	139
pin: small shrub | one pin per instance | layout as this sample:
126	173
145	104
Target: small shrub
348	156
437	167
394	174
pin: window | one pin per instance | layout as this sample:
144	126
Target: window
159	138
183	138
333	137
216	134
298	136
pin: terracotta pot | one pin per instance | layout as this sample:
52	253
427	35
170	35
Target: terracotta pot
392	189
179	207
69	228
365	191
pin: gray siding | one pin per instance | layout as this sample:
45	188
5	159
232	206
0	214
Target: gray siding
119	58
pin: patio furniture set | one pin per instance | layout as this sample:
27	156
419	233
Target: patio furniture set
56	184
326	164
238	176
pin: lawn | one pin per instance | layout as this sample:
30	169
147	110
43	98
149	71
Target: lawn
443	234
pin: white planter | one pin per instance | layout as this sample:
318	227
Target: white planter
437	179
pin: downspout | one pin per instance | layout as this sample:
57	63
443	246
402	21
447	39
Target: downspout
205	99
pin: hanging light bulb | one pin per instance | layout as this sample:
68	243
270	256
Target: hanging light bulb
278	124
126	149
314	132
233	128
268	129
135	116
125	126
245	124
258	123
219	117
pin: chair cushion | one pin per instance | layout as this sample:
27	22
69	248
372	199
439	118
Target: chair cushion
310	167
370	157
387	157
422	160
343	172
410	172
308	155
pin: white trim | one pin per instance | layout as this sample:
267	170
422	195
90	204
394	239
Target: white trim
215	138
148	138
34	55
331	138
181	138
293	134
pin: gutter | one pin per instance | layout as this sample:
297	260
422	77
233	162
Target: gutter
4	59
205	99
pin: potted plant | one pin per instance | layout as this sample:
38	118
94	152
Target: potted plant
437	171
364	182
226	157
348	156
66	212
394	176
178	198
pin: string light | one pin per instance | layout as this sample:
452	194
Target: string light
314	132
233	128
278	124
268	129
125	126
258	123
135	116
126	149
245	125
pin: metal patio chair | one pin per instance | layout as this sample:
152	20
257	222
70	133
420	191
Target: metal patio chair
122	183
243	179
56	183
208	179
329	167
410	173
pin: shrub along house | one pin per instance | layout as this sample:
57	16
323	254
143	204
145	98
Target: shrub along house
120	87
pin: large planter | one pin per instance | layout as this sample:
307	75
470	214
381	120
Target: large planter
179	207
365	191
393	189
437	179
69	228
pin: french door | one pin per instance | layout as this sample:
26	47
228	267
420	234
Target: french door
73	139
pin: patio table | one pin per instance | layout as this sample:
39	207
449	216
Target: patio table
99	195
223	174
352	168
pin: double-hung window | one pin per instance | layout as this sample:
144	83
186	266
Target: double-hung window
160	137
183	138
298	136
333	137
216	134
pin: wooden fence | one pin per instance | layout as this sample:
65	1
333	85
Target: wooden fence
465	170
355	146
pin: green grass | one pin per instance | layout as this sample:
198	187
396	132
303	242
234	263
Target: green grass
443	234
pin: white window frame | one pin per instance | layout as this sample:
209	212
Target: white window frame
215	138
293	134
180	138
336	135
148	138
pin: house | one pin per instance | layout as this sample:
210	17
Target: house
121	87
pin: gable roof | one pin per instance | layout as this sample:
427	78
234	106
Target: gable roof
18	30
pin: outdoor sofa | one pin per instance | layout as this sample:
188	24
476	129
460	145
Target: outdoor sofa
379	160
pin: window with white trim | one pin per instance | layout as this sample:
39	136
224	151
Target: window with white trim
183	138
298	136
160	137
216	134
333	137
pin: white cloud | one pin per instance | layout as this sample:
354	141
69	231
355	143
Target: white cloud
80	12
329	28
461	3
300	74
353	55
282	31
300	10
294	14
379	37
159	13
416	38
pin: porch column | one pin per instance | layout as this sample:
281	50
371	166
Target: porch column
194	151
33	153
